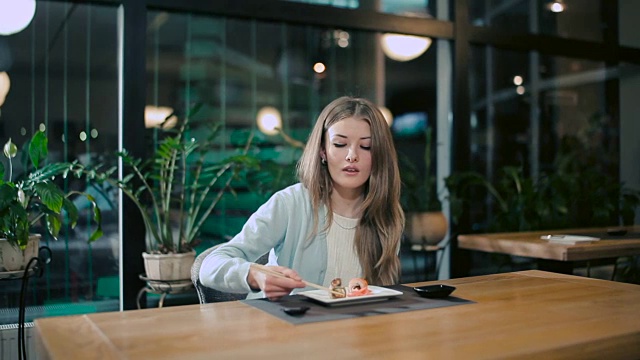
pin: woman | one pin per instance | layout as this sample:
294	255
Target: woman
342	220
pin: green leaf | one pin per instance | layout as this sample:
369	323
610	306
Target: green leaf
8	194
50	195
96	235
53	224
38	148
72	212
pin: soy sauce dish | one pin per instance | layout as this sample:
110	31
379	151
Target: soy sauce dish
434	291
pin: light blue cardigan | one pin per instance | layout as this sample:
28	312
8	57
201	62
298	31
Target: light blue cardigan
283	224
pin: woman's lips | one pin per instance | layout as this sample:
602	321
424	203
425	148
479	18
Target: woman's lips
351	170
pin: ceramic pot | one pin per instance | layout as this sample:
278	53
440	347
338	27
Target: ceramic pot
426	228
169	267
14	259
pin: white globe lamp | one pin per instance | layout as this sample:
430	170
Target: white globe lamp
15	15
404	47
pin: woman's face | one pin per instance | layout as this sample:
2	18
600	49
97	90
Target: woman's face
348	153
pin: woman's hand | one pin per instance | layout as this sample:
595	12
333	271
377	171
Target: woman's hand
275	287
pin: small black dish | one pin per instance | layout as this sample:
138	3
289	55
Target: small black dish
434	291
296	310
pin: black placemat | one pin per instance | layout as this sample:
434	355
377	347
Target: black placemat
408	301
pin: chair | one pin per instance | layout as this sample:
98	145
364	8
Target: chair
208	295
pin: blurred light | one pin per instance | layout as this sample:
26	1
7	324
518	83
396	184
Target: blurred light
269	120
404	47
5	85
517	80
319	67
16	15
556	6
83	136
94	133
23	131
156	116
388	116
342	38
520	90
42	127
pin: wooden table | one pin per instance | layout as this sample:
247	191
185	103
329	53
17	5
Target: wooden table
553	257
529	314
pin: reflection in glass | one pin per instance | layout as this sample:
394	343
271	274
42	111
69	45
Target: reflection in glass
572	19
564	109
64	80
237	69
396	7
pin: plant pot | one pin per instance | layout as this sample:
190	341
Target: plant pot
426	228
169	267
14	259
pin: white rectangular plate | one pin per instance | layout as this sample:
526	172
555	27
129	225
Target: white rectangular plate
569	238
377	294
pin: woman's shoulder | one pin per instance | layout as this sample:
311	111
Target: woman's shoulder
292	199
293	193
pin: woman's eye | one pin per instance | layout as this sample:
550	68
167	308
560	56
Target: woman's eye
365	147
339	145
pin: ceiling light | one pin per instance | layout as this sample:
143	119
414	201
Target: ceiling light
269	120
404	47
517	80
159	116
319	67
16	15
556	6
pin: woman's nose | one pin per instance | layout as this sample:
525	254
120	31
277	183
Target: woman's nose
352	156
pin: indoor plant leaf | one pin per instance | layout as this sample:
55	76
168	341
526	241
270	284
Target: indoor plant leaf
38	148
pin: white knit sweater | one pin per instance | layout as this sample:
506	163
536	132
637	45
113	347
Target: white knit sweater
342	260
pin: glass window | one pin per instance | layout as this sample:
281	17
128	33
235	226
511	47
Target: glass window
237	68
544	135
574	19
551	117
64	80
498	86
629	126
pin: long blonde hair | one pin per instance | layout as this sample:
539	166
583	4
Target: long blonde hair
379	231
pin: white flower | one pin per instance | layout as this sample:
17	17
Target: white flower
10	149
22	198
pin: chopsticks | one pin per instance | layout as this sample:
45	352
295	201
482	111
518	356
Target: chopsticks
266	270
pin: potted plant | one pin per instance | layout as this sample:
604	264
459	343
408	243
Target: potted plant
426	224
578	193
176	189
34	198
